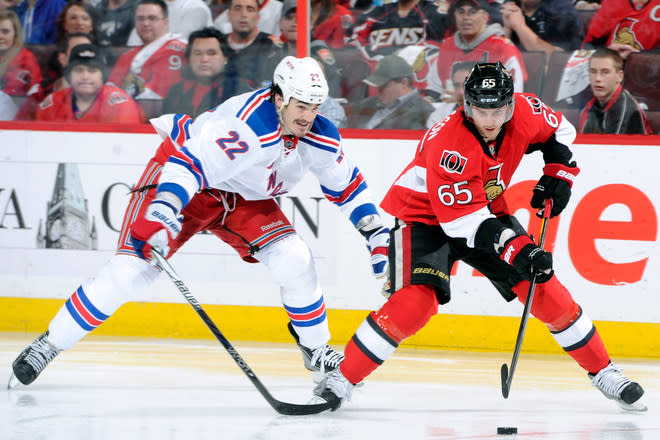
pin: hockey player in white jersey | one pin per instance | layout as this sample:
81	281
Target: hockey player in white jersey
221	173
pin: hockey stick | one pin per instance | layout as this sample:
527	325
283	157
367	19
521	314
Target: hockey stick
507	373
291	409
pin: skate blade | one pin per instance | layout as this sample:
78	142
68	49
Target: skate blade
634	407
13	382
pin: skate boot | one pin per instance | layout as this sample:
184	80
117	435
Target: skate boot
334	388
32	360
320	360
615	386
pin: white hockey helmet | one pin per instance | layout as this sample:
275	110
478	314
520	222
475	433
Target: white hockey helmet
301	78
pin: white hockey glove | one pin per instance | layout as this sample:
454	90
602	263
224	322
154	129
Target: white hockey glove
378	242
161	224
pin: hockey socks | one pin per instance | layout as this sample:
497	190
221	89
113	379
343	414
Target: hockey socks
403	315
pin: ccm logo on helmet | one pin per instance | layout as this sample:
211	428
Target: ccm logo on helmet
453	162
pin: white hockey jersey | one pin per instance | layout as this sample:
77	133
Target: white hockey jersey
238	147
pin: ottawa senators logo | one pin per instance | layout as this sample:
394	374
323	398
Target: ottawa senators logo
453	162
494	185
116	98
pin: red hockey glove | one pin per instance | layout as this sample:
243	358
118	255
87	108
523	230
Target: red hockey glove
521	252
161	224
555	184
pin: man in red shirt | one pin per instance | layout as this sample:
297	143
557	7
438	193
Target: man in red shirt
88	99
448	206
148	71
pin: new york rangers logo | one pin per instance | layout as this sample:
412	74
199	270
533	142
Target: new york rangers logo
453	162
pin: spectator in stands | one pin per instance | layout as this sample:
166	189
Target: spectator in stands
76	17
54	78
331	108
586	5
289	28
8	107
612	110
185	17
542	25
391	26
20	74
397	105
269	15
38	18
476	40
329	22
625	26
148	71
88	99
209	79
6	4
116	19
452	98
254	52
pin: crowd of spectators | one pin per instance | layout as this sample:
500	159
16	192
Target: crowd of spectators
407	58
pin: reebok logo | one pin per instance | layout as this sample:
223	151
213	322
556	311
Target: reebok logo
272	225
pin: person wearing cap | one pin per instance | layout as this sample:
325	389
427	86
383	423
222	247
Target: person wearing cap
208	77
88	99
398	105
149	70
476	40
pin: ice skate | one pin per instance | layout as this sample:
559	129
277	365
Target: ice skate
614	385
334	388
320	360
32	361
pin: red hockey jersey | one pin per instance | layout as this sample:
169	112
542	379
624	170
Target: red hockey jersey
618	22
492	49
153	75
23	75
453	175
111	105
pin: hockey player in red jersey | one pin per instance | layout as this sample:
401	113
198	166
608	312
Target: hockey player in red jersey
88	99
221	174
448	206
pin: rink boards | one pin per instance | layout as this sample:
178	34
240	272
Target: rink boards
604	245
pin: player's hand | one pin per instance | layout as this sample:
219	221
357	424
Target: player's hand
555	184
156	229
378	242
527	258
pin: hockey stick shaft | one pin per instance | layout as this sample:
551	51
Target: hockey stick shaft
279	406
506	372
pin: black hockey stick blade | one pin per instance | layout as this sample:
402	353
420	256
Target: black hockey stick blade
506	385
289	409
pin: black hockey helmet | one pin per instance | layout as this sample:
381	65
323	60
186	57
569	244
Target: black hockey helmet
489	85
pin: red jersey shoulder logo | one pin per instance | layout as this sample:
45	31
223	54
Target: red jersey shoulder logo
116	98
453	162
176	45
48	102
494	185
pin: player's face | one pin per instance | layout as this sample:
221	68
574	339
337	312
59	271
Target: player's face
297	117
289	26
7	35
77	19
206	59
489	121
470	21
604	78
86	81
243	16
150	23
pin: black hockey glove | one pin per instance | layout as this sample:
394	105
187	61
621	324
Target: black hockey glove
521	252
555	184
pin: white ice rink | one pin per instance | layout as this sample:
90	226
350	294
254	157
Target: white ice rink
120	389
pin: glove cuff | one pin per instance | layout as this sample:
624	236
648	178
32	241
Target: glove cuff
513	247
562	172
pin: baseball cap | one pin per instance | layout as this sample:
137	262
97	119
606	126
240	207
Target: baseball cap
320	51
85	54
390	67
287	6
477	4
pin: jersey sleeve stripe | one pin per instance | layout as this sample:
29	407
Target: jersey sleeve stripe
177	190
180	129
354	187
252	103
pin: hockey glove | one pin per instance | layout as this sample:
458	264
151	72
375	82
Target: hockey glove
521	252
161	224
378	241
555	184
